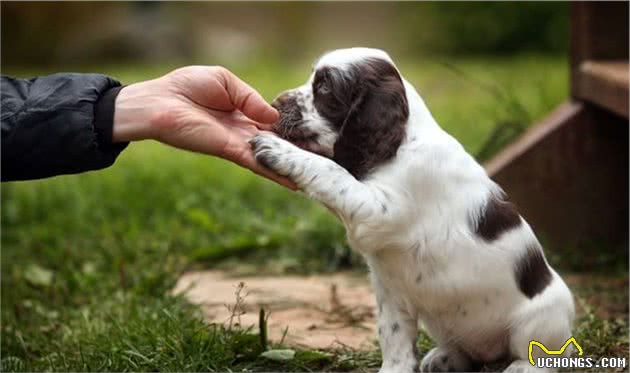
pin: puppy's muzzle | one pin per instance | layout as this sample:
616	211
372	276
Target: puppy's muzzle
290	115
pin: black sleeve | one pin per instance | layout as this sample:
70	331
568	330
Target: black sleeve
57	124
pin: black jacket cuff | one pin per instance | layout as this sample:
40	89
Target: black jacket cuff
104	119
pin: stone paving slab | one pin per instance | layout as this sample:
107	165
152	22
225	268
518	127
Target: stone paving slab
320	311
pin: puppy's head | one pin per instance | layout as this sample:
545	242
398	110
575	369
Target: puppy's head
353	109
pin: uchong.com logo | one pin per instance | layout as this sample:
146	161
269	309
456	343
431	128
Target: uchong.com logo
555	358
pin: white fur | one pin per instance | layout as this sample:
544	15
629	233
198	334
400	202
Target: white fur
410	219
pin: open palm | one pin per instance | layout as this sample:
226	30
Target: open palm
205	109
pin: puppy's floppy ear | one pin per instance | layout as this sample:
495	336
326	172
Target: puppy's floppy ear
375	126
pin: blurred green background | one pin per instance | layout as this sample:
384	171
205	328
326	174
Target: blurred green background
88	260
232	32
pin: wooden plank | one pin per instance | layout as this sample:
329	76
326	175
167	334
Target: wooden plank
604	83
562	114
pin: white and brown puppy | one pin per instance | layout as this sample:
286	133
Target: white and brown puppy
443	245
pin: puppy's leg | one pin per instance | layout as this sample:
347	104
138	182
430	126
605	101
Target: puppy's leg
445	359
397	333
550	325
319	177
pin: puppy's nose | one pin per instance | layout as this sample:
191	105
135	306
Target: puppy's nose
282	101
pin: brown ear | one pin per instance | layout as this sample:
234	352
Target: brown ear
375	127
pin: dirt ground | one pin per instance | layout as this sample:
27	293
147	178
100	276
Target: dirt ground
325	311
320	311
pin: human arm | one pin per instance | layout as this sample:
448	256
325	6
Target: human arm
69	123
57	124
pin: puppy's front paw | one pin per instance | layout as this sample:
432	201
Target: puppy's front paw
273	153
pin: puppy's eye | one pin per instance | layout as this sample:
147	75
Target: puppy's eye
323	89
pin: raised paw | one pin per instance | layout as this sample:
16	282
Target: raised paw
274	153
442	359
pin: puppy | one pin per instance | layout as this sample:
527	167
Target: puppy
443	244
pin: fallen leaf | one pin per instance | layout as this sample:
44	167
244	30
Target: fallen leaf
279	355
38	276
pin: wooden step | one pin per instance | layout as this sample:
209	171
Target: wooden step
604	83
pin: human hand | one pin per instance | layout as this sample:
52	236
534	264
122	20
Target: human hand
205	109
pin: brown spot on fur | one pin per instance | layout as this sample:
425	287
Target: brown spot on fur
532	273
497	217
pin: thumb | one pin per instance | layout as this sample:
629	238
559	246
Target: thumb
247	100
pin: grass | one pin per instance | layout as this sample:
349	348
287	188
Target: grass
88	260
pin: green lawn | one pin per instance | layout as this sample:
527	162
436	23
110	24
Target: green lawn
88	260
